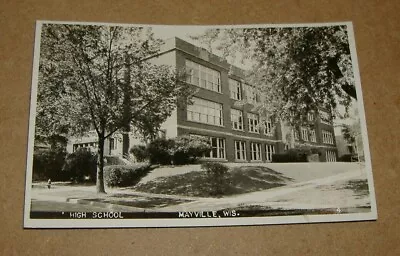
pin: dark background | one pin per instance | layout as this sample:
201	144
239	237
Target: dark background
377	34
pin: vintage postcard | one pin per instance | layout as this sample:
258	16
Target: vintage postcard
168	126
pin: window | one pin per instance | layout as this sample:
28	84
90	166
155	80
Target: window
304	134
313	137
113	144
205	111
268	127
217	148
235	89
202	76
310	117
237	119
251	94
255	151
240	150
327	137
253	122
269	151
330	156
296	134
90	146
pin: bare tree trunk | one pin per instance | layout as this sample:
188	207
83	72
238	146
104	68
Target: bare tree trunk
292	141
100	166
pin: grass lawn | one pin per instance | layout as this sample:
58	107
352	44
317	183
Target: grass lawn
360	187
241	179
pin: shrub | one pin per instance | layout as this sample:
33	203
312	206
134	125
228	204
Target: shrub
159	151
217	178
187	149
47	164
125	175
140	152
291	155
348	158
80	166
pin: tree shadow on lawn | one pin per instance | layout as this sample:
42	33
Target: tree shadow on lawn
359	187
239	180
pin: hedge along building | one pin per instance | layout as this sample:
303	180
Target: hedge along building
223	110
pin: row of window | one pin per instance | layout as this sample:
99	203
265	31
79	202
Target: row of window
236	89
310	135
307	134
209	112
218	150
255	151
210	79
92	146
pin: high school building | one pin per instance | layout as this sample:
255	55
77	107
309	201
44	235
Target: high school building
223	110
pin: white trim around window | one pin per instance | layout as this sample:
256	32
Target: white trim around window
304	134
203	76
255	151
205	111
254	122
269	151
237	119
240	150
235	89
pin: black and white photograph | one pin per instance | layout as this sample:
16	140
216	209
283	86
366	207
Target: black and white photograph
180	126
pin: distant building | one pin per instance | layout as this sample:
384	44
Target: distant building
223	111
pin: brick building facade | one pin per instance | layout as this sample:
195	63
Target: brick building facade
223	110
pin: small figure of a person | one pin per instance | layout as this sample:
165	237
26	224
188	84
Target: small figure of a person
49	184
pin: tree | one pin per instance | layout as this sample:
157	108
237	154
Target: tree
296	70
94	77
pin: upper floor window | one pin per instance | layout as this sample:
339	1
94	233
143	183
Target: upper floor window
327	137
202	76
253	122
237	119
205	111
310	117
235	89
268	126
